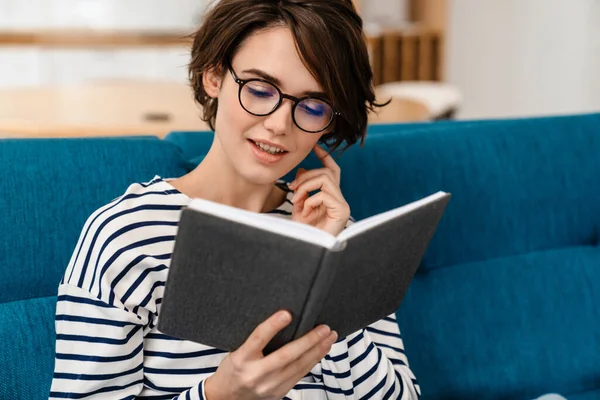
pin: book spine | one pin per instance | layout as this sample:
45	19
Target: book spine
318	293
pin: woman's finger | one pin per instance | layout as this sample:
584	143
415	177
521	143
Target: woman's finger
322	182
297	206
289	354
328	161
310	174
311	218
302	366
262	335
336	209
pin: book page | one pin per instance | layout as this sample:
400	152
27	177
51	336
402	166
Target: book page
267	222
369	223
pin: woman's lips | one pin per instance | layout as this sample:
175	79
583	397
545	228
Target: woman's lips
264	157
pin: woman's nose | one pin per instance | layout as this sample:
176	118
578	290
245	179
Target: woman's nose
280	121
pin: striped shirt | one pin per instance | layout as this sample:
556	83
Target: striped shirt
107	344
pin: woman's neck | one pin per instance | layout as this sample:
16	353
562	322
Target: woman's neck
216	180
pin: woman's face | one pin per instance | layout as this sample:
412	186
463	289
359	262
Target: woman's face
269	55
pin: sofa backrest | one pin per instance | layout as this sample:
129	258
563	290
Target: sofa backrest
49	188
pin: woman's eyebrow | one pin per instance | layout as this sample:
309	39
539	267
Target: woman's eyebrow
263	75
271	78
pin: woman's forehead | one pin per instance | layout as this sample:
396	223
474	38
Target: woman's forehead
274	52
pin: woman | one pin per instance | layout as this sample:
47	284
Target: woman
275	78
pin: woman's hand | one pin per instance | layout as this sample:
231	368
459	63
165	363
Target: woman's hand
327	210
246	374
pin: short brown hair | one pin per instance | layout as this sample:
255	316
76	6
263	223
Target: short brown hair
330	40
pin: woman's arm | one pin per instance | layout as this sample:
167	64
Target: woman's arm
99	350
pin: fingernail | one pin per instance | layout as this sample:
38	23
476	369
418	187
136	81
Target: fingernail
334	336
284	317
323	331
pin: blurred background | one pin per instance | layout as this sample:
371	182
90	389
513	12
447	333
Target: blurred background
115	67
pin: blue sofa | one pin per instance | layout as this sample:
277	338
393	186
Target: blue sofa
505	305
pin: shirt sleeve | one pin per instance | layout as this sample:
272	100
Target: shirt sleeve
368	364
99	350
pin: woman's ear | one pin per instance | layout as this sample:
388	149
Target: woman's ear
211	80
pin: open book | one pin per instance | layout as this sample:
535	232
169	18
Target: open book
231	269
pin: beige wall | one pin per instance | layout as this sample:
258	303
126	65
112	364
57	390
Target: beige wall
386	12
524	57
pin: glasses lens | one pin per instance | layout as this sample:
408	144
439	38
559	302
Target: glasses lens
313	115
259	98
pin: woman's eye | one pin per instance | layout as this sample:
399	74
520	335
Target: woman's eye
316	111
257	92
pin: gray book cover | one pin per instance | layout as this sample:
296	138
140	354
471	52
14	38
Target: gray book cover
226	277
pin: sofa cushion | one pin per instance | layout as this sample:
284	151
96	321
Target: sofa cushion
192	144
49	189
27	343
587	395
512	328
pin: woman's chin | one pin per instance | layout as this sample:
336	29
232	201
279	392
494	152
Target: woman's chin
262	176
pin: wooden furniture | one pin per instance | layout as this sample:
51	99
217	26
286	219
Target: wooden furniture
408	63
129	108
400	110
409	54
107	109
432	13
89	38
414	52
440	99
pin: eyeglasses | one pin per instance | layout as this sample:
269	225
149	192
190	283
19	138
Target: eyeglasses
261	98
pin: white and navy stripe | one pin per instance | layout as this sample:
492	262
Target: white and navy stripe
107	344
